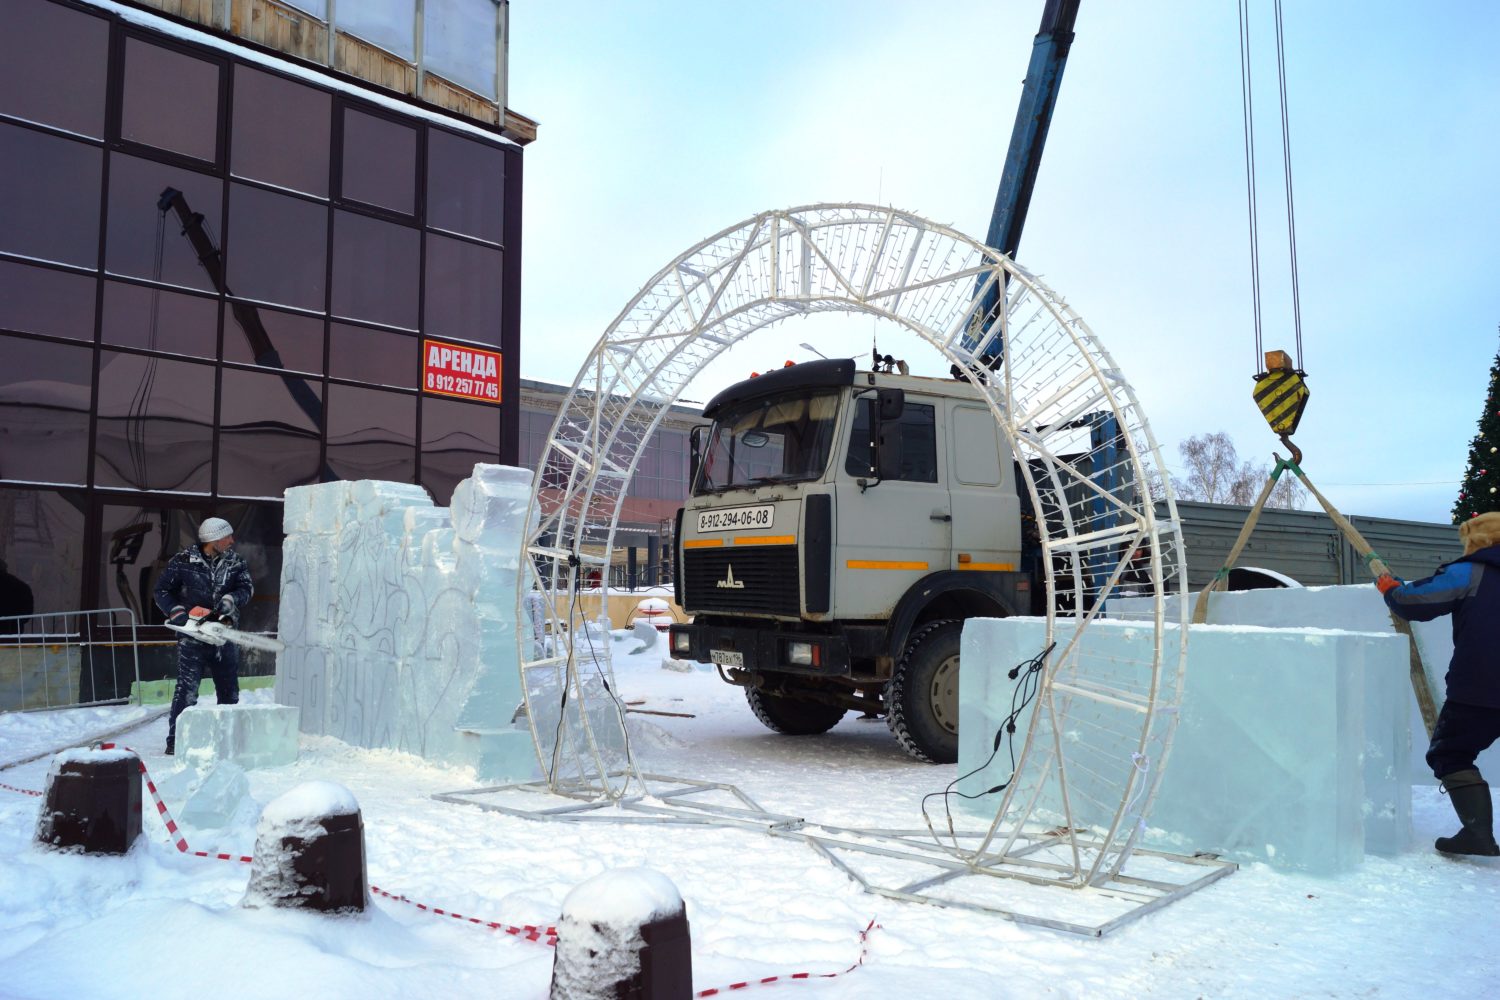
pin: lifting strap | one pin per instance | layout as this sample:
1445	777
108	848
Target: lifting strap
1372	561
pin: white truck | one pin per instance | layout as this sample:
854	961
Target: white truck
841	525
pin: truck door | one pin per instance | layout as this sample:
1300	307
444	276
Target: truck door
897	530
982	489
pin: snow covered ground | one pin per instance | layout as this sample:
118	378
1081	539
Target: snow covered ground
156	923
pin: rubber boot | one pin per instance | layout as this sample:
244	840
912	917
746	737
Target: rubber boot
1471	801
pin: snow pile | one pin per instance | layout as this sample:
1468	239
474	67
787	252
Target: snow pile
599	933
399	617
1410	925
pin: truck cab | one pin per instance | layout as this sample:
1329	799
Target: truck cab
841	525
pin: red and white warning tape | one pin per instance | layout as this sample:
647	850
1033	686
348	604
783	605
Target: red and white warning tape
864	951
161	808
23	791
543	935
526	932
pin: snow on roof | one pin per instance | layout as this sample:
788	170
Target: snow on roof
321	79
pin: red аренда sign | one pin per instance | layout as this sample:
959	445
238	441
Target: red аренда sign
467	372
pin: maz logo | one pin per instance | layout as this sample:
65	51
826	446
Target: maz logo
729	582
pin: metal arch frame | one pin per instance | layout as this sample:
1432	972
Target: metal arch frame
932	280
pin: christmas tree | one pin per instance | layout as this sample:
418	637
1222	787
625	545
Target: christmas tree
1480	490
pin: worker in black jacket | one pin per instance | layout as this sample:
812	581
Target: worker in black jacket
1469	589
207	575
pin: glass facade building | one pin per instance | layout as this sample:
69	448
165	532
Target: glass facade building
218	271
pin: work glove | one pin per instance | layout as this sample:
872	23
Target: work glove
226	611
179	616
1387	583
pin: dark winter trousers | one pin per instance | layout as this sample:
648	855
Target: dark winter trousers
1462	733
193	659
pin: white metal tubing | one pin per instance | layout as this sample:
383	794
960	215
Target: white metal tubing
922	275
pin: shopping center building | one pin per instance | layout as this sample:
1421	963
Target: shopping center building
244	246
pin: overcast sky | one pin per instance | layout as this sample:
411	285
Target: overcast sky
665	122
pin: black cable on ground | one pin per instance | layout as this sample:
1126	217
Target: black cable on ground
1029	673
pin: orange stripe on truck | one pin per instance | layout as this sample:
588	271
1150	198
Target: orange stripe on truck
765	540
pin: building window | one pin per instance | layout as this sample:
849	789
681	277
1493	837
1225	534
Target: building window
376	270
53	63
136	225
661	473
43	300
269	426
170	101
374	356
280	133
278	248
44	411
465	186
41	546
153	319
156	423
372	434
380	162
49	209
251	330
456	436
462	299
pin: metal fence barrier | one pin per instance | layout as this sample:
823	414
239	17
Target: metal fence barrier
68	659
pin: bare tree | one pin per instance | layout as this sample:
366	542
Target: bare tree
1214	473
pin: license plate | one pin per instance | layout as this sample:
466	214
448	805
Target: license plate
736	518
727	657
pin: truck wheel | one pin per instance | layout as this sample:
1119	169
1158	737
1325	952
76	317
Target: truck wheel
792	716
921	700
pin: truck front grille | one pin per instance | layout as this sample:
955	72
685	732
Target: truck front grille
764	577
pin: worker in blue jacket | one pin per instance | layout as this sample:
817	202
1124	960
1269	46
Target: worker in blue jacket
207	575
1469	589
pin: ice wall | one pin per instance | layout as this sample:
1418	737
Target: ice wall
1292	747
1355	608
399	618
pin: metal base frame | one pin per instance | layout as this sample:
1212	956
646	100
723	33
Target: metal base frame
1052	900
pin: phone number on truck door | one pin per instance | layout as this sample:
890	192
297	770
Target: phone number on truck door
734	518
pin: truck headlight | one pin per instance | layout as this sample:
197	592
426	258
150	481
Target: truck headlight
682	642
800	653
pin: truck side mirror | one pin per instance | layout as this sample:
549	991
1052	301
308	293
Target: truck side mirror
890	403
695	455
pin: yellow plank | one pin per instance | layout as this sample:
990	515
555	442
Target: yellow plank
990	567
883	564
702	543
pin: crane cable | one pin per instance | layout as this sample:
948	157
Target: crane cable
1248	111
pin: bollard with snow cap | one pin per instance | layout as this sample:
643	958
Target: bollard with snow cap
93	802
623	934
310	852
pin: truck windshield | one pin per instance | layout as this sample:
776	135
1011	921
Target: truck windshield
778	439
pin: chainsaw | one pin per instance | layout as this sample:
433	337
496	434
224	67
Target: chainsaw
200	626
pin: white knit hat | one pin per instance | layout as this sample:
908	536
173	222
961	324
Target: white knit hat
213	529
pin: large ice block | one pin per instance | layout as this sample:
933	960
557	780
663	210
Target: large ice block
404	629
1357	608
249	735
1290	748
218	798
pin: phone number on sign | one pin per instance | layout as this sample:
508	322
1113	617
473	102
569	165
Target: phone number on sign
463	386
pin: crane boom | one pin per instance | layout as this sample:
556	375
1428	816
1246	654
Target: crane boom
1049	54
